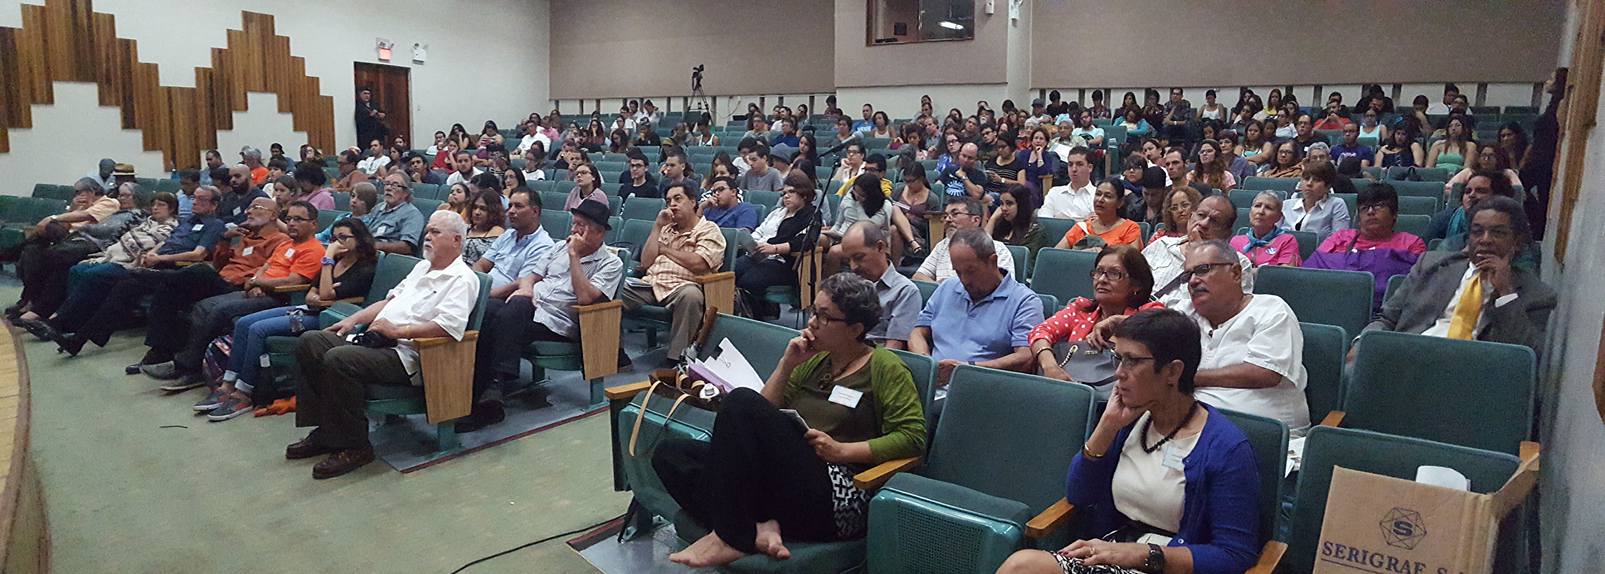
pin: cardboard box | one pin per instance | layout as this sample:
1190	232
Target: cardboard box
1379	524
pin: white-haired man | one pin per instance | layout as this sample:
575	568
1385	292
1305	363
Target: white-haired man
434	300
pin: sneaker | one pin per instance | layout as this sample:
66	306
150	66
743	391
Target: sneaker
186	382
165	371
212	401
232	406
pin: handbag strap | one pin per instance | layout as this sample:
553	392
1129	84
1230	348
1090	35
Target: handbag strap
635	430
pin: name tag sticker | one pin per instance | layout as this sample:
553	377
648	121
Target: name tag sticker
237	210
1172	458
846	397
288	253
198	227
248	251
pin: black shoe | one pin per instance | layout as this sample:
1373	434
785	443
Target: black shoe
39	329
70	344
484	414
154	357
15	311
304	449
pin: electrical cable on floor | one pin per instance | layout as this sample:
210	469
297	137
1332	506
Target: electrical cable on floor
541	541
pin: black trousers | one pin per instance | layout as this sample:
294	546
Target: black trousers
175	293
43	270
757	468
330	394
212	317
509	327
753	277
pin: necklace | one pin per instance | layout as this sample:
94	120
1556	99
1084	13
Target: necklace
1150	422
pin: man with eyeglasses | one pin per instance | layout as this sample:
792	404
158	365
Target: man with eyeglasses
1478	292
984	318
297	260
959	214
1213	219
1253	350
397	225
724	207
637	181
875	165
868	252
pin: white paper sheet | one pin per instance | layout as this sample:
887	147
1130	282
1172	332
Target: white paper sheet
734	368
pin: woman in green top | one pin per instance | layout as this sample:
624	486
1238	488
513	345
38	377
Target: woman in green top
764	474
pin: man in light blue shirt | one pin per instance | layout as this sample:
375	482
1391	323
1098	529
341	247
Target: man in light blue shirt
513	258
868	123
983	318
397	225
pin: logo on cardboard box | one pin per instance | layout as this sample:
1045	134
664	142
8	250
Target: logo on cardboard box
1403	528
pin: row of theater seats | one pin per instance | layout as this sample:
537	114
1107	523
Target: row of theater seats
992	479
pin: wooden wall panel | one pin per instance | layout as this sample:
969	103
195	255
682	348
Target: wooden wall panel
66	40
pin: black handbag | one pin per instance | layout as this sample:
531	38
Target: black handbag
1084	363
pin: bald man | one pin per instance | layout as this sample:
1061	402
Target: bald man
964	178
237	196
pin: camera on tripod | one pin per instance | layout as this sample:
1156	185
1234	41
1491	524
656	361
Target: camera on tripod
696	77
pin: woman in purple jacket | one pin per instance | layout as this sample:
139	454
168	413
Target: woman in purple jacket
1171	481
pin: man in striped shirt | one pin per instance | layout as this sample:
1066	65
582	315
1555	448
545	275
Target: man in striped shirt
682	246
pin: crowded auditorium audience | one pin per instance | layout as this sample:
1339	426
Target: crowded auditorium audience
1172	207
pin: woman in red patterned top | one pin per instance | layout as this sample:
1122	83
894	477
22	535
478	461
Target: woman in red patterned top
1122	284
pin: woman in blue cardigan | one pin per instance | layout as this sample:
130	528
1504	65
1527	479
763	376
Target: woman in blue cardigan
1171	481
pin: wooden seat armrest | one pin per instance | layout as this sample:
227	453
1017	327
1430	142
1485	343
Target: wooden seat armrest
1529	450
1269	558
878	475
599	338
1052	518
429	342
290	288
718	290
448	386
1333	419
352	300
626	392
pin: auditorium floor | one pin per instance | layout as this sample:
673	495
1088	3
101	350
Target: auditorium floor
134	482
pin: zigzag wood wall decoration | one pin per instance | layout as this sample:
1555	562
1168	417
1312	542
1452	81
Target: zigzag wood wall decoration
66	40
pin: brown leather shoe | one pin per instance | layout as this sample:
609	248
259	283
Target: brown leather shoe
342	461
303	449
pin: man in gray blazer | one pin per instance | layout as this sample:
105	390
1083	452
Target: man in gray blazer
1515	306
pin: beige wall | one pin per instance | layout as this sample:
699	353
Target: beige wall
615	48
978	61
1084	43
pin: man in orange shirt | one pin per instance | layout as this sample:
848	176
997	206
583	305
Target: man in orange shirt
252	158
243	286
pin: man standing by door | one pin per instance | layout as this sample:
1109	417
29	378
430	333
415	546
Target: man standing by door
370	121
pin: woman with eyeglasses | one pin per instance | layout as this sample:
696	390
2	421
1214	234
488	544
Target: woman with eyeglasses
1266	242
1179	204
1490	158
1393	252
776	242
1170	479
348	267
1288	161
768	477
1122	284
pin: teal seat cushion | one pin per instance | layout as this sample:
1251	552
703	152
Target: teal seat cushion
281	345
654	313
843	556
553	349
960	498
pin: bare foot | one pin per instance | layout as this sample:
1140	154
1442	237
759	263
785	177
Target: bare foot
696	548
710	551
769	542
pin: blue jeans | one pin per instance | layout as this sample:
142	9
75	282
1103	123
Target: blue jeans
250	341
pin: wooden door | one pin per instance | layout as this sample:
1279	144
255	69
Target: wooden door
392	92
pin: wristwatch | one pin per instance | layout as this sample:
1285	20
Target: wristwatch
1155	564
328	261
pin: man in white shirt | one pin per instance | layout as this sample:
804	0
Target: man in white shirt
465	172
1072	201
434	300
1066	140
1442	107
625	121
376	159
532	134
1213	219
1253	350
960	213
647	114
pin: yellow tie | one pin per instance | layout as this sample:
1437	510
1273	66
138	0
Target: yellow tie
1467	310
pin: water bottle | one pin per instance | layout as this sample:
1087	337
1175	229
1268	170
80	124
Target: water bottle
296	325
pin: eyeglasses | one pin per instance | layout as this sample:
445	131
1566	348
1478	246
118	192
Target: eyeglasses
344	237
955	214
1374	207
1110	274
1126	362
1204	269
814	313
298	219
